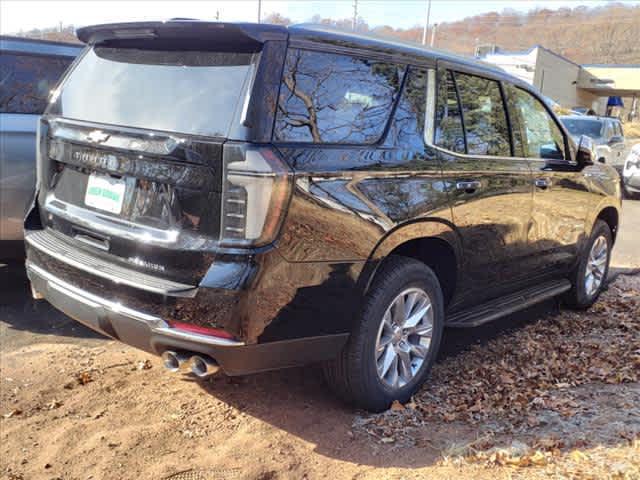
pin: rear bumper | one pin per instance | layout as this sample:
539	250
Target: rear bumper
152	334
276	311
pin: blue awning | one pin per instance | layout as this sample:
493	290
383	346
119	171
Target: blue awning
615	102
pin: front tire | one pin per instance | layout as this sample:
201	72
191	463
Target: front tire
590	276
395	340
628	194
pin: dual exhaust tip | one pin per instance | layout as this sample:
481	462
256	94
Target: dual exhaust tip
201	366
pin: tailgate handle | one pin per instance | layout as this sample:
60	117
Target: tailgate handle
96	242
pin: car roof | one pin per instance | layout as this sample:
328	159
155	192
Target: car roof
301	34
37	46
592	118
331	35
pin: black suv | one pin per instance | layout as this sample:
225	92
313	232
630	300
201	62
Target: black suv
250	197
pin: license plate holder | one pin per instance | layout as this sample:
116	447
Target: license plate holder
105	193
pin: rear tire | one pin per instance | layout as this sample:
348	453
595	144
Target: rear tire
395	340
590	275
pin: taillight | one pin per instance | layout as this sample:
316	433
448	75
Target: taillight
189	327
256	191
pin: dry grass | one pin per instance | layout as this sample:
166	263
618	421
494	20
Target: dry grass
632	130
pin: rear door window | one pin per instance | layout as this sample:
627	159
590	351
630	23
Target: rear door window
517	130
332	98
407	128
193	92
449	133
617	129
27	79
608	132
484	116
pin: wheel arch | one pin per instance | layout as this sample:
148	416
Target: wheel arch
435	242
607	211
611	217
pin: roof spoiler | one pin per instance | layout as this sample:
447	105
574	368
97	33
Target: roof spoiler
245	34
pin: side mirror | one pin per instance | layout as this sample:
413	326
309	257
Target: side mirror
586	152
615	139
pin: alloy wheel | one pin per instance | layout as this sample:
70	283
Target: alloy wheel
596	265
404	338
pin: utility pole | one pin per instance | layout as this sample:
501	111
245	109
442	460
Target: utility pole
433	34
259	10
426	24
355	15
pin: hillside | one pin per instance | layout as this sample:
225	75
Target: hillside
585	35
606	34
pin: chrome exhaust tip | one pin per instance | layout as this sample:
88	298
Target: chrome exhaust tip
203	367
173	361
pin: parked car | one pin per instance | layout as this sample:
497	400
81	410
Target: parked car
29	69
631	172
583	111
251	197
606	133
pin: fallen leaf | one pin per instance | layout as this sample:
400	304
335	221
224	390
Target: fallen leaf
144	365
538	458
84	378
577	456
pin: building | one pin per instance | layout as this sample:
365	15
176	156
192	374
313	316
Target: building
567	83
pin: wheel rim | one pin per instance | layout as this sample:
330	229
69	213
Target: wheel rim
596	265
404	338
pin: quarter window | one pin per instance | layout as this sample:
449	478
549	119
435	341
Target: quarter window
449	133
26	80
484	116
516	123
542	136
329	98
407	128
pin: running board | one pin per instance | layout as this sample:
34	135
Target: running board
495	309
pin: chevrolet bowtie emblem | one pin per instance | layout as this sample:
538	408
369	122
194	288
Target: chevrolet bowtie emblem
97	136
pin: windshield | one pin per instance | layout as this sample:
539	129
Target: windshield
583	126
194	92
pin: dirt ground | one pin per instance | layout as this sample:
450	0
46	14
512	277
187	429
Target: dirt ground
545	393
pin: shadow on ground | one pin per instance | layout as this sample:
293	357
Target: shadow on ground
20	313
298	401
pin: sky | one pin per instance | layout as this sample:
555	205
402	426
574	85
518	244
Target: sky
17	15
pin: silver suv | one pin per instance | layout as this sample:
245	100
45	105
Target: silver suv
606	132
29	70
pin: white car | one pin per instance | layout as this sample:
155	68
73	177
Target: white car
631	172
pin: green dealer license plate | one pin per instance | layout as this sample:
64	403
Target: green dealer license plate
105	193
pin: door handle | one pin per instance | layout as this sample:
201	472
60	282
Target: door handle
470	186
542	183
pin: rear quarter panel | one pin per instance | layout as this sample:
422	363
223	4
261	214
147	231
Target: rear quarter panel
347	200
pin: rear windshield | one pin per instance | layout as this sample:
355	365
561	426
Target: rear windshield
579	126
193	92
